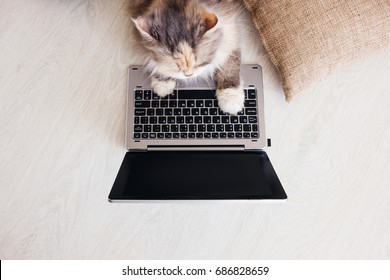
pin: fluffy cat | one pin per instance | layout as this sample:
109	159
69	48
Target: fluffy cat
187	39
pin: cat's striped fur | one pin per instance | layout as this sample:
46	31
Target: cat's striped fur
187	39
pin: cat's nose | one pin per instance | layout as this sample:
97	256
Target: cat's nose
188	73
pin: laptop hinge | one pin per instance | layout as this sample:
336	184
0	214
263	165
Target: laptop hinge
196	148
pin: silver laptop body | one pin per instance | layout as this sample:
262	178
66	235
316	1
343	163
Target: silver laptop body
139	79
184	148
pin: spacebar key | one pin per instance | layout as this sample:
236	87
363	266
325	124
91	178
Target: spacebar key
196	94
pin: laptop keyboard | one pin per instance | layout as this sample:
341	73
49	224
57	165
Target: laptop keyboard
192	114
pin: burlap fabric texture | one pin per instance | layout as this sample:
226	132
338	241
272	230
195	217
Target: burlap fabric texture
308	39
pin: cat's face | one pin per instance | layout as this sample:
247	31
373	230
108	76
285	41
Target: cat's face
181	38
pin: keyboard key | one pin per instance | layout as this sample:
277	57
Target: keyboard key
247	135
250	103
243	119
145	135
136	120
144	120
191	135
165	128
155	96
207	119
208	103
225	119
150	112
204	111
152	135
164	103
168	112
222	135
214	135
179	119
252	119
238	135
181	103
138	95
198	120
201	127
138	128
160	135
171	120
174	128
228	127
196	94
238	127
230	135
220	127
189	119
190	103
199	135
177	112
142	104
254	135
156	128
140	112
207	135
162	120
254	127
183	135
172	103
251	93
247	127
186	112
137	135
159	112
195	111
155	104
213	111
173	95
192	128
147	94
250	111
234	119
216	119
153	120
183	128
199	103
211	127
168	135
176	135
147	128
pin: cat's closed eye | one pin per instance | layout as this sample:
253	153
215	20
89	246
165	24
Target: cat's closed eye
203	64
154	34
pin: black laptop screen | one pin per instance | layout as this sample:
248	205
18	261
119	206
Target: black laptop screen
196	175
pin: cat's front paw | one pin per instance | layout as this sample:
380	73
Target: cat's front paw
231	100
163	87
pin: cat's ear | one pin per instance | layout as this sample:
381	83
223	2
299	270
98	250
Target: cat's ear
143	26
210	20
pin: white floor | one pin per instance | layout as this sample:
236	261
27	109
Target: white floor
62	120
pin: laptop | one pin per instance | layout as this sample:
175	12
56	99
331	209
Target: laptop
184	148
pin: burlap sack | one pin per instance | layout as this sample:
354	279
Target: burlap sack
309	39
